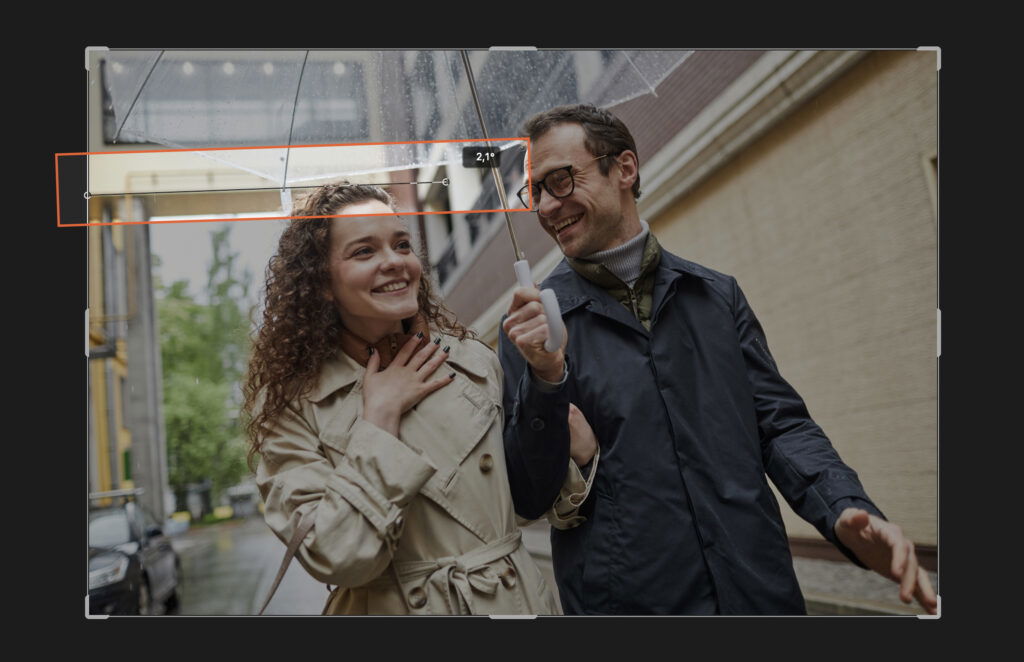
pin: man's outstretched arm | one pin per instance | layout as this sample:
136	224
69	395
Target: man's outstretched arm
818	485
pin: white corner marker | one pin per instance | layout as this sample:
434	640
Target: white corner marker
938	611
93	48
938	55
93	617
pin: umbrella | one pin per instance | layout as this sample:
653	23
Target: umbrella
383	111
409	99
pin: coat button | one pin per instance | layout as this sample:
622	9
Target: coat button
486	462
508	578
417	598
537	425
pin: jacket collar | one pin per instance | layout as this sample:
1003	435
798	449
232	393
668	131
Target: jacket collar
574	291
600	274
342	371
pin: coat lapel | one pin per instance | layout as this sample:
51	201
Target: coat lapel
447	425
574	292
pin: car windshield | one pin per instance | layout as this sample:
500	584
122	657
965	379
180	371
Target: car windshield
108	528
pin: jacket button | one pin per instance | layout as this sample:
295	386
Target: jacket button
417	598
486	462
508	578
537	425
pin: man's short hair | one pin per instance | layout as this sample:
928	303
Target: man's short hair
605	133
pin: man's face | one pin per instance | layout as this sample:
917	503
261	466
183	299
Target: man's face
590	218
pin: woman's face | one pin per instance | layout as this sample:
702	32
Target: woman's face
375	275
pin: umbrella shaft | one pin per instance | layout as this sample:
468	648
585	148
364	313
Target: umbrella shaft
495	174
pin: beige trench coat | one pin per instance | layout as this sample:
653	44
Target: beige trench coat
421	524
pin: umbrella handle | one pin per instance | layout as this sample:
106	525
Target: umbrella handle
556	329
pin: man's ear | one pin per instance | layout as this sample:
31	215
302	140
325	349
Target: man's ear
628	168
526	173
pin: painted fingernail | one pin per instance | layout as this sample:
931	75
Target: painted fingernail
446	348
419	334
437	341
451	375
370	350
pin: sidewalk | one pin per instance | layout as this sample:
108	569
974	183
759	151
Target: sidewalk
830	588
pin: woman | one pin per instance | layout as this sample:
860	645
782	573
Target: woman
377	419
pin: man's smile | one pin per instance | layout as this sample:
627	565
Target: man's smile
564	223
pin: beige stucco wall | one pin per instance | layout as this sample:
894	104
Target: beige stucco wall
828	223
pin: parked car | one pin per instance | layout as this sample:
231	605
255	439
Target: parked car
132	567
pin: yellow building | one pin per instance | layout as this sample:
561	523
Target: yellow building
126	433
110	441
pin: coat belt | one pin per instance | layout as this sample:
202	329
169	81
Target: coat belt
456	577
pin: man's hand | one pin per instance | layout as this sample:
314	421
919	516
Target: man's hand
881	546
582	442
527	327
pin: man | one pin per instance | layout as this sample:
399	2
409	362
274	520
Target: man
670	367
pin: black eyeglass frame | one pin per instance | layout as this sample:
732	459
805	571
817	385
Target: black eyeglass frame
544	182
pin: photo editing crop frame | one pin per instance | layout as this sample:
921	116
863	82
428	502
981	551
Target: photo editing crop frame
848	84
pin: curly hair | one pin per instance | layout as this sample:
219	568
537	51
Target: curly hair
301	328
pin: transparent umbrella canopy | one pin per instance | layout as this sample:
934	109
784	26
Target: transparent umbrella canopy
317	116
409	99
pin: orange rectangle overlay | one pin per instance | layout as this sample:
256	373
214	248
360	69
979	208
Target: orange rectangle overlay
87	195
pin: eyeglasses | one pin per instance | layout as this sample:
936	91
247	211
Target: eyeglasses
559	183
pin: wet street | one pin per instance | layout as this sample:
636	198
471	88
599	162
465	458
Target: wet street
228	569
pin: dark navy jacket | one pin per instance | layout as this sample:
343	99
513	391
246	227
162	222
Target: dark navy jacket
690	416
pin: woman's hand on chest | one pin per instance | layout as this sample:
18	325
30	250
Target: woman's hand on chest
389	393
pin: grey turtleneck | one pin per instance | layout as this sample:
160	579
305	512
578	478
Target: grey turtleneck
624	261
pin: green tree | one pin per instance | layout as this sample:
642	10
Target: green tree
204	346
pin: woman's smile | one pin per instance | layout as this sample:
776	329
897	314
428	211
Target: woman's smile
394	287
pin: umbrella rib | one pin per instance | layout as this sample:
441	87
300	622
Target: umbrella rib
639	73
443	182
138	94
291	128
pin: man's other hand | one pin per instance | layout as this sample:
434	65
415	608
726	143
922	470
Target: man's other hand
881	546
582	442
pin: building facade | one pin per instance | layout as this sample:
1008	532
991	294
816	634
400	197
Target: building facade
125	436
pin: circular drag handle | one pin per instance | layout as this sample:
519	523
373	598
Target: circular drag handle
556	329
